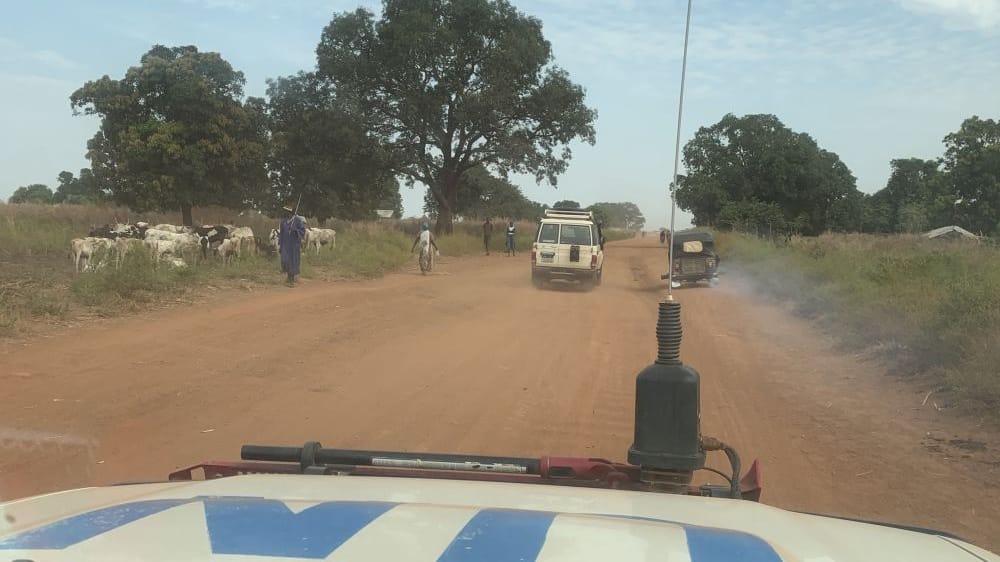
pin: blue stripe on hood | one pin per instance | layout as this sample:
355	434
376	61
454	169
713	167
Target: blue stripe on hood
495	535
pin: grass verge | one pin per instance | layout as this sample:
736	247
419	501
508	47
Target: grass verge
37	281
934	306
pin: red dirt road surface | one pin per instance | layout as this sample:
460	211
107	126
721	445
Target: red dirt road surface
474	359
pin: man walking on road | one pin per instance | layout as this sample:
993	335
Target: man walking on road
290	235
487	233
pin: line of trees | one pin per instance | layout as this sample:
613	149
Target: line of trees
961	187
752	173
70	190
625	215
450	94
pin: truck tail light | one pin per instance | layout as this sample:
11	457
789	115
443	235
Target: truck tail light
534	250
593	261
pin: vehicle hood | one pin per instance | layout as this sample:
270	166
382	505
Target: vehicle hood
283	517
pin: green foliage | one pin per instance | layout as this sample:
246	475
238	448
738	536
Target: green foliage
624	215
612	234
34	193
745	161
936	305
972	163
566	204
81	190
139	280
319	149
450	85
484	195
175	134
962	188
916	197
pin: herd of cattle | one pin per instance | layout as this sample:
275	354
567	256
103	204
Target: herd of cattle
171	243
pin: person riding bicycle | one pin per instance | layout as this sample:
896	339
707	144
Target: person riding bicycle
425	238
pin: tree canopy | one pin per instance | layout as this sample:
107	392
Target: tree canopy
624	215
566	204
485	195
34	193
972	164
451	85
745	168
321	151
961	188
79	190
176	133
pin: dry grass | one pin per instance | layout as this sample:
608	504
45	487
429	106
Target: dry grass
935	304
37	281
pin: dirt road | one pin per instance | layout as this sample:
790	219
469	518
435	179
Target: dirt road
473	359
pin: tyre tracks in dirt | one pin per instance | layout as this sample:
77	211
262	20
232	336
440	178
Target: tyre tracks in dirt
474	359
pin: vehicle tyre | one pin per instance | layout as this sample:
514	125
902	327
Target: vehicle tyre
599	277
537	280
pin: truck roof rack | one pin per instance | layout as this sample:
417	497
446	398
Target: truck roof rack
568	214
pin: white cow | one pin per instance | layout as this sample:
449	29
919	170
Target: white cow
317	237
162	248
227	249
181	239
174	229
243	236
84	249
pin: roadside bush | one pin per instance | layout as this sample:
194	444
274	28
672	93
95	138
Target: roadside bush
938	301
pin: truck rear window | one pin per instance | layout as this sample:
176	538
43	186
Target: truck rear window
549	234
576	234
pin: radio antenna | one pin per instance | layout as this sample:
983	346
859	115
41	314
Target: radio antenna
677	159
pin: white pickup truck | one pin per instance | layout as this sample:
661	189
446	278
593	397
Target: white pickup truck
570	246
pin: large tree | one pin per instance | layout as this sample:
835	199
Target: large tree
619	215
450	85
485	195
568	204
176	133
756	159
972	164
34	193
323	152
916	197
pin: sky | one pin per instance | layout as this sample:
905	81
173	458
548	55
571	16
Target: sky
871	80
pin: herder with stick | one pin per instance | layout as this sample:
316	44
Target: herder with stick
290	235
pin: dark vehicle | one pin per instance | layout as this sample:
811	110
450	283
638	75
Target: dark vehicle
694	257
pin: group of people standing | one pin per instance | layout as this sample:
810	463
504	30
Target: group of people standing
508	242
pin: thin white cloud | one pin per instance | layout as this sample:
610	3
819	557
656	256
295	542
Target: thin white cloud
982	14
236	5
54	59
12	52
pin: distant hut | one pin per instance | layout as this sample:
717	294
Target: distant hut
950	233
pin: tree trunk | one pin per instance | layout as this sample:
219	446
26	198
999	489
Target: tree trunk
444	224
447	197
186	219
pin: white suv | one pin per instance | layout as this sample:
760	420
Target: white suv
569	245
